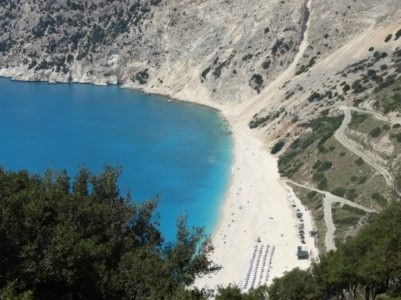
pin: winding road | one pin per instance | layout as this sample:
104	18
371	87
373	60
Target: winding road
352	146
377	115
328	201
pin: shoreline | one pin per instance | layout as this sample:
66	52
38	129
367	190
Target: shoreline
256	205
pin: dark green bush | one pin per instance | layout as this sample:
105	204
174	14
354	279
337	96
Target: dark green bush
322	184
340	191
326	165
351	194
379	198
388	38
346	88
359	162
375	132
316	164
311	195
398	34
277	147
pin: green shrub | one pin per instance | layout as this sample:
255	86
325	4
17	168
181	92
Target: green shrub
383	67
277	147
392	104
357	118
386	127
351	194
311	195
325	112
317	176
375	132
340	191
357	87
205	72
359	162
316	164
301	70
379	198
397	137
266	64
315	96
346	88
141	77
256	82
247	57
398	34
388	81
322	184
325	166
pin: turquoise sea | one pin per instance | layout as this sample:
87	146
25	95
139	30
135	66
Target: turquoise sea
179	151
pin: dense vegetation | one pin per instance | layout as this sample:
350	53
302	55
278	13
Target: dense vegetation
86	241
321	129
364	267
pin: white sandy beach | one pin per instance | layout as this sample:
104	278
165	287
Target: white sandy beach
258	206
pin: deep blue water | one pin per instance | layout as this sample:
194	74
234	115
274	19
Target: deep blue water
179	151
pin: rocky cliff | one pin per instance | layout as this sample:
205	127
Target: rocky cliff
227	51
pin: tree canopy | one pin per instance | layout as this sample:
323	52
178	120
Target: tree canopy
85	241
80	239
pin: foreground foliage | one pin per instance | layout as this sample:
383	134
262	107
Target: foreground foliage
85	241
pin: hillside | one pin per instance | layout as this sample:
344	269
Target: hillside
225	51
216	50
317	81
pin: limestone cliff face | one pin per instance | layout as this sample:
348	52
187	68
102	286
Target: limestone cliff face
335	23
218	50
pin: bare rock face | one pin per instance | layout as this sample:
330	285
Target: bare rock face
335	23
219	50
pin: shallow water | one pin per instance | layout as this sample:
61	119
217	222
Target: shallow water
179	151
